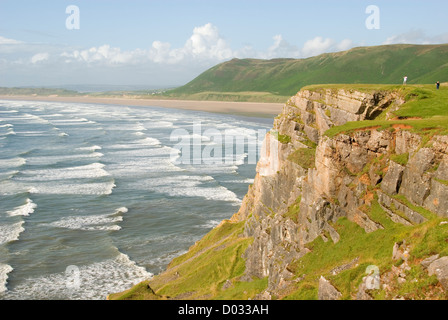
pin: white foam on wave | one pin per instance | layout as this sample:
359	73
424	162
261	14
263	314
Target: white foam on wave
8	175
141	167
8	125
245	181
4	270
162	124
102	188
28	119
103	222
8	187
12	163
210	224
94	170
10	132
9	111
96	281
72	122
10	232
33	133
145	152
92	148
23	210
47	160
190	186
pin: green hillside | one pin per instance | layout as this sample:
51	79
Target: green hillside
423	64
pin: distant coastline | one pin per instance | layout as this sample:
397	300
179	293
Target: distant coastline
251	109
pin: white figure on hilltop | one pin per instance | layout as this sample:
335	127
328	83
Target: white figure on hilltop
405	80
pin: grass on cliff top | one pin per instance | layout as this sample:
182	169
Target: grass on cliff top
426	108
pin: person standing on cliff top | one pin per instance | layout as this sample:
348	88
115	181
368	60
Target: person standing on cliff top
405	80
438	85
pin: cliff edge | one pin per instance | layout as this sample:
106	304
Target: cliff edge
350	201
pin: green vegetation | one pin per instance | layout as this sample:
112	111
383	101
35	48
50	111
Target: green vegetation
304	157
364	65
400	158
201	273
293	211
425	110
283	138
373	248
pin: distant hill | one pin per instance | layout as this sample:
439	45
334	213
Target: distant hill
423	64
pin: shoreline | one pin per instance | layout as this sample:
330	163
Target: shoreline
249	109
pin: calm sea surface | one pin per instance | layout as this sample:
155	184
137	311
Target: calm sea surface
95	198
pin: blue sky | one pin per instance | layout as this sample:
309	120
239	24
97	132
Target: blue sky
168	43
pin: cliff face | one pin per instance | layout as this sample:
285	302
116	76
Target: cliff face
299	199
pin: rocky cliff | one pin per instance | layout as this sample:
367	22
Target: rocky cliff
323	209
290	207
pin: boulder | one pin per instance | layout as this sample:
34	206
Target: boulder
392	180
440	268
327	291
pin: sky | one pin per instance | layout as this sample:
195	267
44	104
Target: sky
159	44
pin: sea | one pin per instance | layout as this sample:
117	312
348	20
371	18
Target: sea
95	198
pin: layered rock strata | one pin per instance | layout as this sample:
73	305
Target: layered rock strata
306	180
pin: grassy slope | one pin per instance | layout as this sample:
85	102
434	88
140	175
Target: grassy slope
284	77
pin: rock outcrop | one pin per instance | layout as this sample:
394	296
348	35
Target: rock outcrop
291	203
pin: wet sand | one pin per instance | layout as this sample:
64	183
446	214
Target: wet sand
254	109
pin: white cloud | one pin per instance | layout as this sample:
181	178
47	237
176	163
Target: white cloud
317	46
416	37
344	45
39	57
282	49
104	54
4	40
205	44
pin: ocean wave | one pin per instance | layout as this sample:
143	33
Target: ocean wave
72	122
102	222
28	119
23	210
94	170
12	163
210	224
102	188
4	270
8	175
141	168
10	232
92	148
190	186
93	282
48	160
33	133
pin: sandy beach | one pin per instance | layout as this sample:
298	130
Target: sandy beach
254	109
